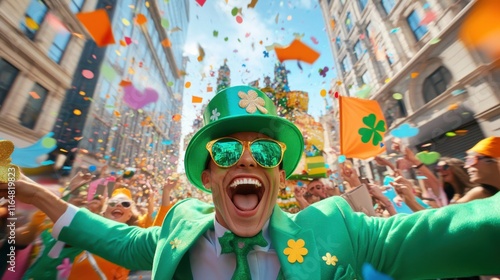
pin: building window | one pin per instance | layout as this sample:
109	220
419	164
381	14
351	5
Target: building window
348	22
388	5
436	83
76	5
338	42
393	110
414	23
56	51
8	74
369	30
346	64
33	107
362	4
365	78
33	18
358	50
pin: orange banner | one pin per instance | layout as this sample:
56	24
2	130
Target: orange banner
362	128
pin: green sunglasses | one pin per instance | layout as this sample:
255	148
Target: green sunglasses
227	151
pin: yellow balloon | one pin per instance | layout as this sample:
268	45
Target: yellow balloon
323	93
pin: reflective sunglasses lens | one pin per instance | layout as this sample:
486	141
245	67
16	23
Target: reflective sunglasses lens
112	204
226	152
266	153
126	204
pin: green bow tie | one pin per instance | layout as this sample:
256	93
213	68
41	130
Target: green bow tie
240	246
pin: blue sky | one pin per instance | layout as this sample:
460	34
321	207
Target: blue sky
243	50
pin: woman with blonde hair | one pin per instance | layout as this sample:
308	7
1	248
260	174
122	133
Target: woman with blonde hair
454	178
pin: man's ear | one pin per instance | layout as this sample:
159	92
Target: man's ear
205	178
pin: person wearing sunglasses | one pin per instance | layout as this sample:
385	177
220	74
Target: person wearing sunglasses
454	179
121	208
242	156
483	166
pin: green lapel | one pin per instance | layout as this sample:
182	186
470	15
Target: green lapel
183	235
282	229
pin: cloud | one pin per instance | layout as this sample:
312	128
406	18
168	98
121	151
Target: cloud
405	131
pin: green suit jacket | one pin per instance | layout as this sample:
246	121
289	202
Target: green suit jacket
457	240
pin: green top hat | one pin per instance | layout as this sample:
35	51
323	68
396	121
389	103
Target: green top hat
241	109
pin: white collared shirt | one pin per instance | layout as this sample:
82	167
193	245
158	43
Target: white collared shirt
207	262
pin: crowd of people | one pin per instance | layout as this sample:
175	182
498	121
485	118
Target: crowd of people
110	226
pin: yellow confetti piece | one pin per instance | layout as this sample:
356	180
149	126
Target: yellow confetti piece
82	93
147	4
125	22
77	112
187	85
31	23
387	80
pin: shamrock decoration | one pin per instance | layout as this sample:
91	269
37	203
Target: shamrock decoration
373	130
251	102
215	115
322	72
330	260
295	250
175	243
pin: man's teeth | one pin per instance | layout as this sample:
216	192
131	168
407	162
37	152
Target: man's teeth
245	181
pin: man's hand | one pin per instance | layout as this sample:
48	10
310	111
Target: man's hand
25	188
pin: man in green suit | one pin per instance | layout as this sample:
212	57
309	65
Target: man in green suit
243	155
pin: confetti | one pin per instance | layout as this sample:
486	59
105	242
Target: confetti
297	51
87	74
98	25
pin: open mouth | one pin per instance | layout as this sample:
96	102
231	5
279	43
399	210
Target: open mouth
117	214
245	193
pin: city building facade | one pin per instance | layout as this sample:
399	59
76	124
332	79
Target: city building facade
408	56
147	59
40	46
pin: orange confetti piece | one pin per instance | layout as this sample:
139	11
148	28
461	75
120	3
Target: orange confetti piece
187	85
332	24
196	99
78	138
141	19
176	117
297	51
124	83
210	89
166	43
98	25
453	107
117	114
123	43
414	75
481	28
34	94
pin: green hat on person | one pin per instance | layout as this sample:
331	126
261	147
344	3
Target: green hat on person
241	109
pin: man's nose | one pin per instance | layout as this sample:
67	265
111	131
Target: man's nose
246	159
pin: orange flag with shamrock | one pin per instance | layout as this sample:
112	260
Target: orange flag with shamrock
362	128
